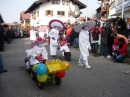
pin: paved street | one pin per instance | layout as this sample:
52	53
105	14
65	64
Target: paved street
105	79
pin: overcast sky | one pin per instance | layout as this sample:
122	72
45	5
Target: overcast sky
10	9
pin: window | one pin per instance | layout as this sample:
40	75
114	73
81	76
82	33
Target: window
49	13
60	13
63	13
113	4
34	15
27	23
69	14
37	13
66	3
120	1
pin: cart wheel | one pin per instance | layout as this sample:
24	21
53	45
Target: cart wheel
68	59
57	81
32	76
60	58
27	71
41	85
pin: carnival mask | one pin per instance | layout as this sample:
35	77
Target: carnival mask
85	28
40	44
56	28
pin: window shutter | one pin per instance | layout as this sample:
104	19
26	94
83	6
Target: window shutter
51	12
37	13
46	12
60	13
68	14
34	15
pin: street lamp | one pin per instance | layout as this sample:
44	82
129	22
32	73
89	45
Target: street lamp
86	9
122	9
107	11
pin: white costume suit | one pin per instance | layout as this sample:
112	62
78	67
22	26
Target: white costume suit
33	35
84	46
27	64
36	50
41	34
65	47
53	49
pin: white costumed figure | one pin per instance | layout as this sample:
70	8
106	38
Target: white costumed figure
27	59
56	26
54	35
65	49
38	52
32	35
41	34
84	44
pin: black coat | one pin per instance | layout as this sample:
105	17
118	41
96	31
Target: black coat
123	29
110	39
75	34
1	33
122	24
8	34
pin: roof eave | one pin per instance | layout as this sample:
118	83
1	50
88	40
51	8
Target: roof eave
35	4
27	11
81	6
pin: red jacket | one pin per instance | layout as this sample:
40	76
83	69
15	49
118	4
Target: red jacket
99	29
123	50
69	30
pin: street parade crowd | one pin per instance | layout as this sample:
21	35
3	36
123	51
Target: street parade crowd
8	33
111	41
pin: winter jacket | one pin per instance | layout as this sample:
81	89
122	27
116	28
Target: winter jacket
123	49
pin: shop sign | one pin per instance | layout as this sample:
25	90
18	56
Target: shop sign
126	5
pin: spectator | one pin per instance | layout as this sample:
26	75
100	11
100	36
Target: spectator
122	51
8	36
117	36
110	40
95	40
75	36
98	27
114	28
99	30
21	33
3	30
103	42
16	33
128	28
69	32
12	34
115	47
108	25
1	65
121	27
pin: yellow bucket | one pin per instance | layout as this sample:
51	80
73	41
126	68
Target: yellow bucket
55	66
